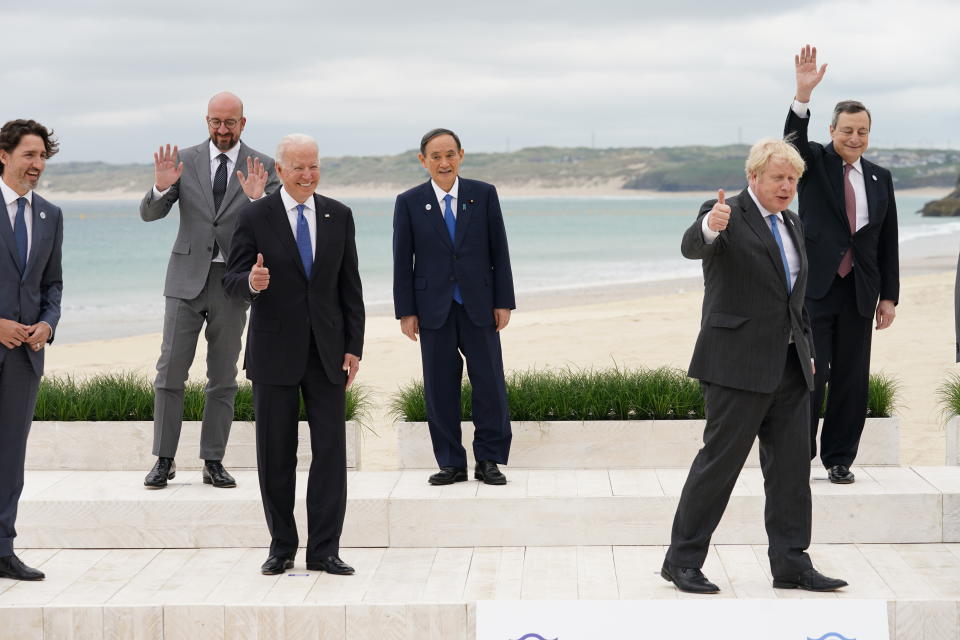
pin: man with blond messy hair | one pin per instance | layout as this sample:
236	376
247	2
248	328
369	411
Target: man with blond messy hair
754	360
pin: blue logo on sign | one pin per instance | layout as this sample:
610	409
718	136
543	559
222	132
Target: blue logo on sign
831	636
536	636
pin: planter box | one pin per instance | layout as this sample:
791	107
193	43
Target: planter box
615	444
127	446
953	441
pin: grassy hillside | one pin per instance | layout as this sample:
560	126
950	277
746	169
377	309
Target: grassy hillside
658	169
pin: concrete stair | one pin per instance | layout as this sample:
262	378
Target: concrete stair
111	509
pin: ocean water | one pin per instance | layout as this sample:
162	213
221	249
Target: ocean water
114	263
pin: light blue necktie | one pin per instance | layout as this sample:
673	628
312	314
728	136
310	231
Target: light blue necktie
303	242
20	232
783	253
451	222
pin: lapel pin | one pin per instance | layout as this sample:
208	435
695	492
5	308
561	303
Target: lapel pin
326	215
874	176
464	207
428	207
471	202
43	215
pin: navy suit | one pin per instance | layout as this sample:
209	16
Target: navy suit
841	309
300	329
28	296
426	267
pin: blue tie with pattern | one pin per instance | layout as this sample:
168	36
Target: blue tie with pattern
20	232
451	222
303	242
774	227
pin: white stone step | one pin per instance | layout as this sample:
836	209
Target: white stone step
127	446
111	509
621	444
428	593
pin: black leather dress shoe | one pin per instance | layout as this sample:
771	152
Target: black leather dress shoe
274	566
12	567
449	475
215	474
165	469
687	579
840	474
487	471
809	580
331	564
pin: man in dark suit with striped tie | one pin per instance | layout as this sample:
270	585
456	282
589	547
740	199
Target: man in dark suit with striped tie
753	358
31	285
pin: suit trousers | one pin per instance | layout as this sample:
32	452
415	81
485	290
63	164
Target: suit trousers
182	322
276	408
18	398
841	337
441	351
735	418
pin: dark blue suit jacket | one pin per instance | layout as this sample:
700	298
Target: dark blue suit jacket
426	264
33	295
822	209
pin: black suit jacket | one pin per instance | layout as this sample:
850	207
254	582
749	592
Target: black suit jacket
875	252
748	316
328	305
426	264
33	295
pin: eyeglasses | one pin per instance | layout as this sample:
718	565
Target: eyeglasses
847	131
216	122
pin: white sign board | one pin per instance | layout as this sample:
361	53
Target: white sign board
709	618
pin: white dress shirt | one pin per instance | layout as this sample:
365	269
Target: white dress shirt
441	194
290	206
10	198
789	248
801	109
232	156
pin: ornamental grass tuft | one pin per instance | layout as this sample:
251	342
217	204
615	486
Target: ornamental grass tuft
948	395
129	396
606	394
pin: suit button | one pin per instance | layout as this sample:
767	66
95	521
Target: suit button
210	249
214	225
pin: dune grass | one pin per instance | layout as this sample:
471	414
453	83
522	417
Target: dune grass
607	394
948	395
129	396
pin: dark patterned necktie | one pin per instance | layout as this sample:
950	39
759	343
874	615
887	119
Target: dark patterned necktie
219	189
20	232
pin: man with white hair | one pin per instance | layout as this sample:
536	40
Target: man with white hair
754	360
294	258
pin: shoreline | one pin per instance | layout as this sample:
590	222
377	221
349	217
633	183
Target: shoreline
373	191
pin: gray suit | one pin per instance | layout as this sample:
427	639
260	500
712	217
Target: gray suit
755	383
28	298
195	295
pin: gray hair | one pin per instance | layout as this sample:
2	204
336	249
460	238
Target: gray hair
293	140
849	106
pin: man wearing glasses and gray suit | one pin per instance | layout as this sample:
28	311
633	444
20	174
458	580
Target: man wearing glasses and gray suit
211	186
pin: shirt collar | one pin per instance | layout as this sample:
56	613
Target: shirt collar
857	166
10	196
232	154
289	203
441	193
763	212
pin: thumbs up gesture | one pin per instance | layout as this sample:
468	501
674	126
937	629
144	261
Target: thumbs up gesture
719	216
259	275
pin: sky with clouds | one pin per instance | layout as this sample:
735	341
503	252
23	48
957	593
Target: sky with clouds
115	79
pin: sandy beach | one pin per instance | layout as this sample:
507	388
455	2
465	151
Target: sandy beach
644	325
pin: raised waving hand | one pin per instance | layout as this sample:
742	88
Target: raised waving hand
808	76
